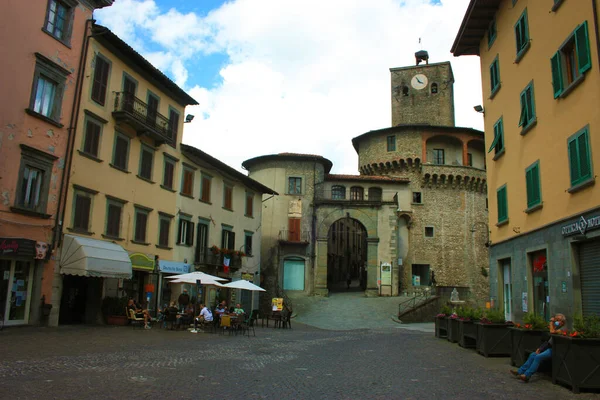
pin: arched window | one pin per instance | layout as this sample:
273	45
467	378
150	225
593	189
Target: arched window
375	194
357	193
434	88
338	192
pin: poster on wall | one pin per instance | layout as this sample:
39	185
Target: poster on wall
524	301
386	273
277	303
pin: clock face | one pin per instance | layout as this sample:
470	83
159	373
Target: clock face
419	81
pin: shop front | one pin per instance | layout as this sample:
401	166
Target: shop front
141	286
17	263
166	290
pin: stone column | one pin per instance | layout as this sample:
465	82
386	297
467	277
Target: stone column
321	268
372	267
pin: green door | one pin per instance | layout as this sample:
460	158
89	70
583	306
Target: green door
293	275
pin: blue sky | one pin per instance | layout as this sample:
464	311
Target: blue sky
292	76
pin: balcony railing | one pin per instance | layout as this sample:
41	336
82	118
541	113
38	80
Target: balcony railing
300	237
348	196
134	112
207	257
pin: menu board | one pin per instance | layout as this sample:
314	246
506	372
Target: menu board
277	303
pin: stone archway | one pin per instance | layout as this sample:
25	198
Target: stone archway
346	256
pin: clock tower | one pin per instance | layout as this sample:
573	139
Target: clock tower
423	94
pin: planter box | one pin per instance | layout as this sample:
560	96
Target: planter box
119	320
493	339
452	330
467	334
441	327
523	342
576	362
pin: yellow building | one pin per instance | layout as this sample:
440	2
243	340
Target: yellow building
541	90
123	180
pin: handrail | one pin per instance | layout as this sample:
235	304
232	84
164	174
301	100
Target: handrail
137	109
423	296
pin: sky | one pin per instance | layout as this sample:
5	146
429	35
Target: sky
275	76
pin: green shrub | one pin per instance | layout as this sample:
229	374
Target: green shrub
535	321
587	327
495	316
446	310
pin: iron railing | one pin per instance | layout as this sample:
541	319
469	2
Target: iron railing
416	300
353	196
143	119
294	236
208	257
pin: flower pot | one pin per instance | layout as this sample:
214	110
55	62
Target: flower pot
452	330
467	334
576	362
119	320
441	327
493	339
523	342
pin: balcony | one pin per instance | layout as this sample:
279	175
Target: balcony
366	198
132	111
207	257
294	237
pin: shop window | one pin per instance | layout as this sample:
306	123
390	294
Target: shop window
228	197
185	234
580	162
146	162
338	192
205	184
539	273
121	152
522	35
187	182
249	204
49	81
572	60
141	224
357	193
391	143
100	81
294	185
34	181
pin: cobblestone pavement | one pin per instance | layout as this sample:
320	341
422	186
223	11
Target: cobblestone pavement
104	362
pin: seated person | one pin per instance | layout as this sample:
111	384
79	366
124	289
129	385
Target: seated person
238	309
205	316
139	313
221	309
186	317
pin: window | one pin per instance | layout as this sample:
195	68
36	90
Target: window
416	198
338	192
580	163
82	205
34	180
527	107
491	32
114	209
571	61
227	238
391	143
205	188
121	152
153	101
494	76
434	88
164	226
532	180
228	197
202	241
169	172
498	143
249	204
186	232
187	182
100	82
357	193
47	90
141	224
146	162
375	194
173	125
469	159
502	205
294	185
429	231
438	157
59	17
522	35
91	140
248	243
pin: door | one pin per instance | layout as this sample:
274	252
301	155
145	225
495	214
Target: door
152	109
293	275
129	87
507	290
541	298
17	291
4	283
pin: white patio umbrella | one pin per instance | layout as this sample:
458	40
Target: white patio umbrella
193	276
245	285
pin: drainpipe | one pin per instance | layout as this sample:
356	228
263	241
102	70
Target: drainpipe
313	228
595	10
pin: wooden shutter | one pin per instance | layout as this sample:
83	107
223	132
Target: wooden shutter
582	44
294	229
146	169
493	77
100	80
231	242
502	209
173	124
168	179
557	81
140	226
181	222
114	220
584	156
249	205
92	138
188	180
121	152
82	212
190	234
205	189
574	162
523	118
228	197
164	232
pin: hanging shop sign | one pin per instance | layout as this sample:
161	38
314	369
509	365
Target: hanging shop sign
141	262
11	247
581	226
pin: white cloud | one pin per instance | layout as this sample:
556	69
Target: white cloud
301	76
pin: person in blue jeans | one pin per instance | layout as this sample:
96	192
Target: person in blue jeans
544	352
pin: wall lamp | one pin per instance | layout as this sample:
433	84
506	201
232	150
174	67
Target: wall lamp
479	109
189	118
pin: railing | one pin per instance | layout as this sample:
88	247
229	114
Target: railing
412	303
143	118
294	236
348	196
208	257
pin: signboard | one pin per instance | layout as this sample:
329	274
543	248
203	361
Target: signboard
277	303
141	262
581	226
564	287
247	276
386	274
173	267
10	247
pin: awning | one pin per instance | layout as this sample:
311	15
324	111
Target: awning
94	258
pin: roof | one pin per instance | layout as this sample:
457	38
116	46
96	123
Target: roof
404	127
102	3
200	157
423	65
135	60
365	178
288	157
474	27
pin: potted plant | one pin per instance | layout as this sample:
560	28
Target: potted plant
576	354
467	330
441	322
452	330
527	337
493	335
114	310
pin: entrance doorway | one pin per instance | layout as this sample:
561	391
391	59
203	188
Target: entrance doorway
539	273
507	289
15	291
80	301
347	256
293	273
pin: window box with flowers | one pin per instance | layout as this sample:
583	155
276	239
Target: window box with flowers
441	322
527	337
576	355
467	330
453	328
493	334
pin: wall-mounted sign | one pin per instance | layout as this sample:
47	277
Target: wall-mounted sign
10	247
142	262
173	267
524	302
386	273
564	287
581	226
277	303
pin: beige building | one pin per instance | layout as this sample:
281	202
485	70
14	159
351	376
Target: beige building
124	174
415	214
541	89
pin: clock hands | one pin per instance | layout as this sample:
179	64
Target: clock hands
418	80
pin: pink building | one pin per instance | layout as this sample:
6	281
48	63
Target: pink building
42	46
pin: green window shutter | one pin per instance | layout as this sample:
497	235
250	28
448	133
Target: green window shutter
535	176
529	184
502	208
523	118
530	103
492	77
585	170
557	81
497	128
582	44
574	162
